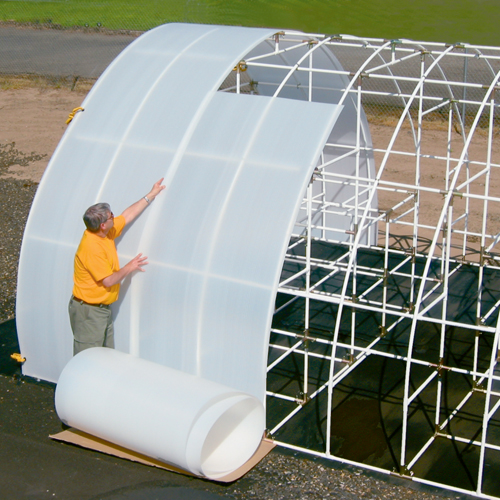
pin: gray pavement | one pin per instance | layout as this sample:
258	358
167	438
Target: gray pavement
86	54
65	53
58	53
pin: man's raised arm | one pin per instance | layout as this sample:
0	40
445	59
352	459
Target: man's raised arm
134	210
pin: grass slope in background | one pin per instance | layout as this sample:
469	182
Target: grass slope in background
471	21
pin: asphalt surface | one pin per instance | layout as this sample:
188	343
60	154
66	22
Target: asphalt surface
86	54
58	53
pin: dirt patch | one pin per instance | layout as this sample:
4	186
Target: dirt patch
32	122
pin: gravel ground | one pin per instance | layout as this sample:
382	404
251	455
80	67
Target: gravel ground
281	475
15	201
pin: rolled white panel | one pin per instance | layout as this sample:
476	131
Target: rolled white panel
181	419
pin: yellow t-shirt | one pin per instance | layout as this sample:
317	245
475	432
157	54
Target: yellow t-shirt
95	259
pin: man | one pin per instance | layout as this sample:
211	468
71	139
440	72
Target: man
97	272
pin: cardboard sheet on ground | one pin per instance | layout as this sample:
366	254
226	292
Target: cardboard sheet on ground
80	438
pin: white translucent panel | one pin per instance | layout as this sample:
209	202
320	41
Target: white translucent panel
235	167
234	196
202	427
97	161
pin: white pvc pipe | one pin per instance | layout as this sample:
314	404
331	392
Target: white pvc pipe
200	426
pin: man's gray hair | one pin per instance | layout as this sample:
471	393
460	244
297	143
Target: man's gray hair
96	215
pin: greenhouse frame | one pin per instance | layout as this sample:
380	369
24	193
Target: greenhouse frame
423	296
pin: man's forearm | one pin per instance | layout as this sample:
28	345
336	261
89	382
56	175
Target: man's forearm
117	277
136	264
134	210
138	207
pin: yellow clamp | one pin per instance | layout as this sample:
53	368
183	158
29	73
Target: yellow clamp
17	357
241	66
72	114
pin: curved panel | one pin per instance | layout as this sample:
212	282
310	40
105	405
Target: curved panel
235	167
137	119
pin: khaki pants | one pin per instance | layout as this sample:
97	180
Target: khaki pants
92	326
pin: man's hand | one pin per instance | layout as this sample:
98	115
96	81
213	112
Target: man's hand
156	189
136	264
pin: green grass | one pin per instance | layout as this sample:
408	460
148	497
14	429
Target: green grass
472	21
42	83
111	14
